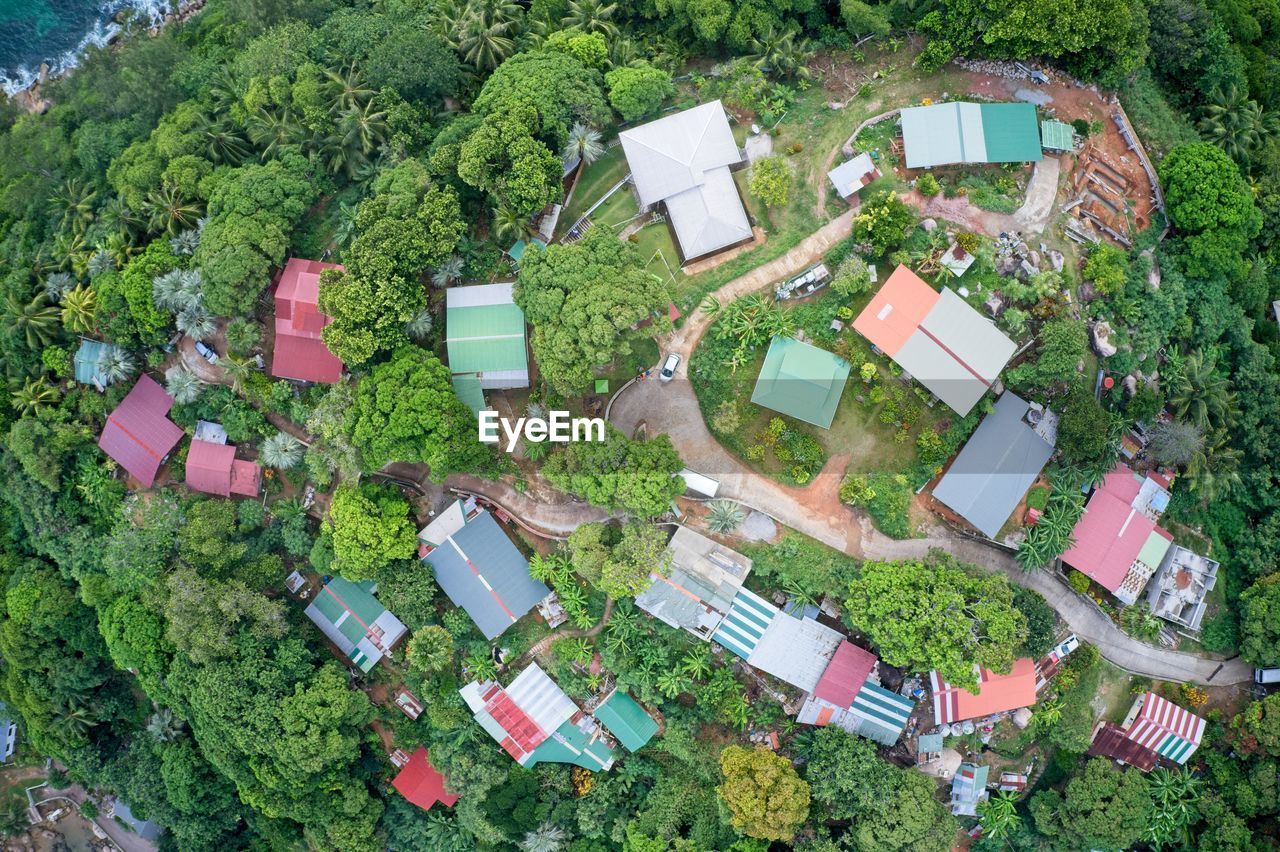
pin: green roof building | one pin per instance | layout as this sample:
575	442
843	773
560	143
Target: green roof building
954	132
352	619
627	720
801	381
1056	136
485	338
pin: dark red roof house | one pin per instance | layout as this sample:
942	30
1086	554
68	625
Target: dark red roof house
214	469
299	352
139	434
421	783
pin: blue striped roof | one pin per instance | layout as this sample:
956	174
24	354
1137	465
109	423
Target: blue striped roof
748	618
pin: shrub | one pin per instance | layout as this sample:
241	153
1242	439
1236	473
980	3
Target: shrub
1038	497
927	185
1077	581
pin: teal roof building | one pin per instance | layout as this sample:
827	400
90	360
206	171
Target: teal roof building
626	720
485	340
954	132
801	381
352	619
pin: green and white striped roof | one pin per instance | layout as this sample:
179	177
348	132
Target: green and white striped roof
748	618
882	715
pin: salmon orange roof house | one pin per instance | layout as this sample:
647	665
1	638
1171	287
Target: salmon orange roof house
139	434
937	338
996	693
300	353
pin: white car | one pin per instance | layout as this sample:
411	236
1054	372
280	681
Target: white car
206	352
668	371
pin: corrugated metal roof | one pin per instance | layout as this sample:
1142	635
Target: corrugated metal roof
673	153
845	674
1169	730
627	720
996	467
708	217
485	334
1056	136
801	381
299	352
852	175
209	467
956	132
795	650
348	614
470	393
1110	740
88	362
882	715
482	571
421	783
138	434
996	693
575	744
749	617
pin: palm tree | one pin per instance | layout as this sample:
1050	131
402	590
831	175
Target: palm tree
547	837
163	726
75	199
183	385
1048	713
237	370
101	262
1236	124
591	16
74	723
509	226
78	310
226	145
449	271
35	321
1175	795
1175	443
57	285
185	243
419	328
445	833
999	814
348	88
282	451
778	53
196	323
724	516
346	227
169	212
1215	468
72	251
33	396
270	130
480	666
1202	395
485	34
798	592
362	128
738	710
584	142
178	291
542	568
117	364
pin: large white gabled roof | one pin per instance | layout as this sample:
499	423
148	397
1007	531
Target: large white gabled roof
673	154
710	216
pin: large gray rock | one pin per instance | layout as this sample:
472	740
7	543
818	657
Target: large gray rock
1101	336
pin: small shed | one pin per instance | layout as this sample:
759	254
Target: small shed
627	720
1056	136
214	469
850	177
90	363
421	783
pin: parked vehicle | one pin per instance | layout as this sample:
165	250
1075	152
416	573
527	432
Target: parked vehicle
668	371
206	352
1271	675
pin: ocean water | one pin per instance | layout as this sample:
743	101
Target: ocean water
58	32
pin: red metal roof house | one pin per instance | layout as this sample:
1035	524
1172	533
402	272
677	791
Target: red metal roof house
214	469
139	434
421	783
300	353
997	693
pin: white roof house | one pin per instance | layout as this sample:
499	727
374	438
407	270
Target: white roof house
795	650
851	176
682	160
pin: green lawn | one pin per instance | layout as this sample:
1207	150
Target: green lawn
595	181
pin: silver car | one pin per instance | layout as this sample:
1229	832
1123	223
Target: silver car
668	371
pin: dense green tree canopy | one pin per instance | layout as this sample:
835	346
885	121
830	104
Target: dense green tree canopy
370	527
937	615
765	796
619	473
583	300
1105	807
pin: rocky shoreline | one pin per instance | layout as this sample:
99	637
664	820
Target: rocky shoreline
30	100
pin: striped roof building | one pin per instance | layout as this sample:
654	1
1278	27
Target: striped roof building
847	696
352	619
1164	727
536	722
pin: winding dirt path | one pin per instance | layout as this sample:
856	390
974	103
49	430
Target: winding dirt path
540	647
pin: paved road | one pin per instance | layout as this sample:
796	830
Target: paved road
816	511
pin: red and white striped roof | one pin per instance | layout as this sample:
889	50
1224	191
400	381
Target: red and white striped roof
1159	719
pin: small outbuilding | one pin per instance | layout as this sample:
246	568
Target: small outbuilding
801	381
421	783
214	469
352	619
300	352
626	720
851	176
1056	136
954	132
485	337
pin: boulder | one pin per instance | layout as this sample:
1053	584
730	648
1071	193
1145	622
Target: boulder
1056	258
930	225
1101	334
1130	385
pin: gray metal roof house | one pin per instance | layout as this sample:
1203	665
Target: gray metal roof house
705	577
996	467
683	162
479	568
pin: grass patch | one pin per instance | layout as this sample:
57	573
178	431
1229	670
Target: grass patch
595	180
